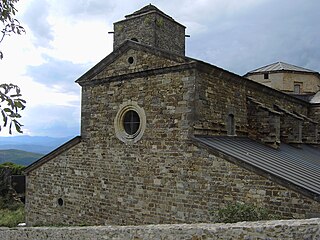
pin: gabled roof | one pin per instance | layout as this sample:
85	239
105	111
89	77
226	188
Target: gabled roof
125	46
280	66
183	62
297	168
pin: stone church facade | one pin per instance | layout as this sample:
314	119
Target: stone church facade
169	139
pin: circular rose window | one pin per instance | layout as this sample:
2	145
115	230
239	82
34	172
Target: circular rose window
130	122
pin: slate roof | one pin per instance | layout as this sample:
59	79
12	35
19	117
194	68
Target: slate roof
295	166
280	66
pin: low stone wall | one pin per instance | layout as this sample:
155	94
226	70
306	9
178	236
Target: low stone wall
282	229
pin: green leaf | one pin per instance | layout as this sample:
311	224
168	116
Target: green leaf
17	126
10	132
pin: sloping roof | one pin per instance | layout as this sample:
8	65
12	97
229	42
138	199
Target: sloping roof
182	60
297	166
146	9
281	66
304	97
66	146
126	45
315	98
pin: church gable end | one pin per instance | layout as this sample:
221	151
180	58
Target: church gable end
135	61
132	57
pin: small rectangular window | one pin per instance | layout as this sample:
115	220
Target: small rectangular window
297	88
266	76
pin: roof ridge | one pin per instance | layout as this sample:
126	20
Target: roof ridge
281	66
146	9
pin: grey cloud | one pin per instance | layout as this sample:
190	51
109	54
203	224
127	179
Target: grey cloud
269	32
36	19
88	8
53	121
58	72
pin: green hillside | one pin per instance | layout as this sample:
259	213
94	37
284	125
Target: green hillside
18	157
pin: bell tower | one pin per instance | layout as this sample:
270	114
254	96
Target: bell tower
152	27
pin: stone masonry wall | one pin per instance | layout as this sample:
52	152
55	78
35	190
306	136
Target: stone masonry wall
220	94
182	183
110	181
284	81
152	29
264	123
271	230
142	61
164	177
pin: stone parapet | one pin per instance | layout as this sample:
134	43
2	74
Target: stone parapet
281	229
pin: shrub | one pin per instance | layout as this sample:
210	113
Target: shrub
11	218
15	168
240	212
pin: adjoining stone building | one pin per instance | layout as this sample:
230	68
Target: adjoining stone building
169	139
287	78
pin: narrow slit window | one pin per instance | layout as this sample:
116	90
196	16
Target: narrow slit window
231	125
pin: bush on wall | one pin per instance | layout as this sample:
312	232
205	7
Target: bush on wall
240	212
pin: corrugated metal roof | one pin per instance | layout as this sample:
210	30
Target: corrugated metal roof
281	66
299	166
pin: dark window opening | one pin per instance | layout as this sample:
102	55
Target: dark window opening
131	122
231	125
60	202
130	60
297	88
266	76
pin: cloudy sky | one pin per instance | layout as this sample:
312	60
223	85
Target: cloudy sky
64	39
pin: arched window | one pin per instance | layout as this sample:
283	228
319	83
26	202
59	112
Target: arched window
231	125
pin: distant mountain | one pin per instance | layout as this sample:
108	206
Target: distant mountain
18	157
42	145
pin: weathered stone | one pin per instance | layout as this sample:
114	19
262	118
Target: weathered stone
285	230
163	177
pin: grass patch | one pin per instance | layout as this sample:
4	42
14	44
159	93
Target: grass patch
11	218
11	212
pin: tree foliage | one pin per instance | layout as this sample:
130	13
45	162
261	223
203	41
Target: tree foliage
10	24
10	106
10	97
